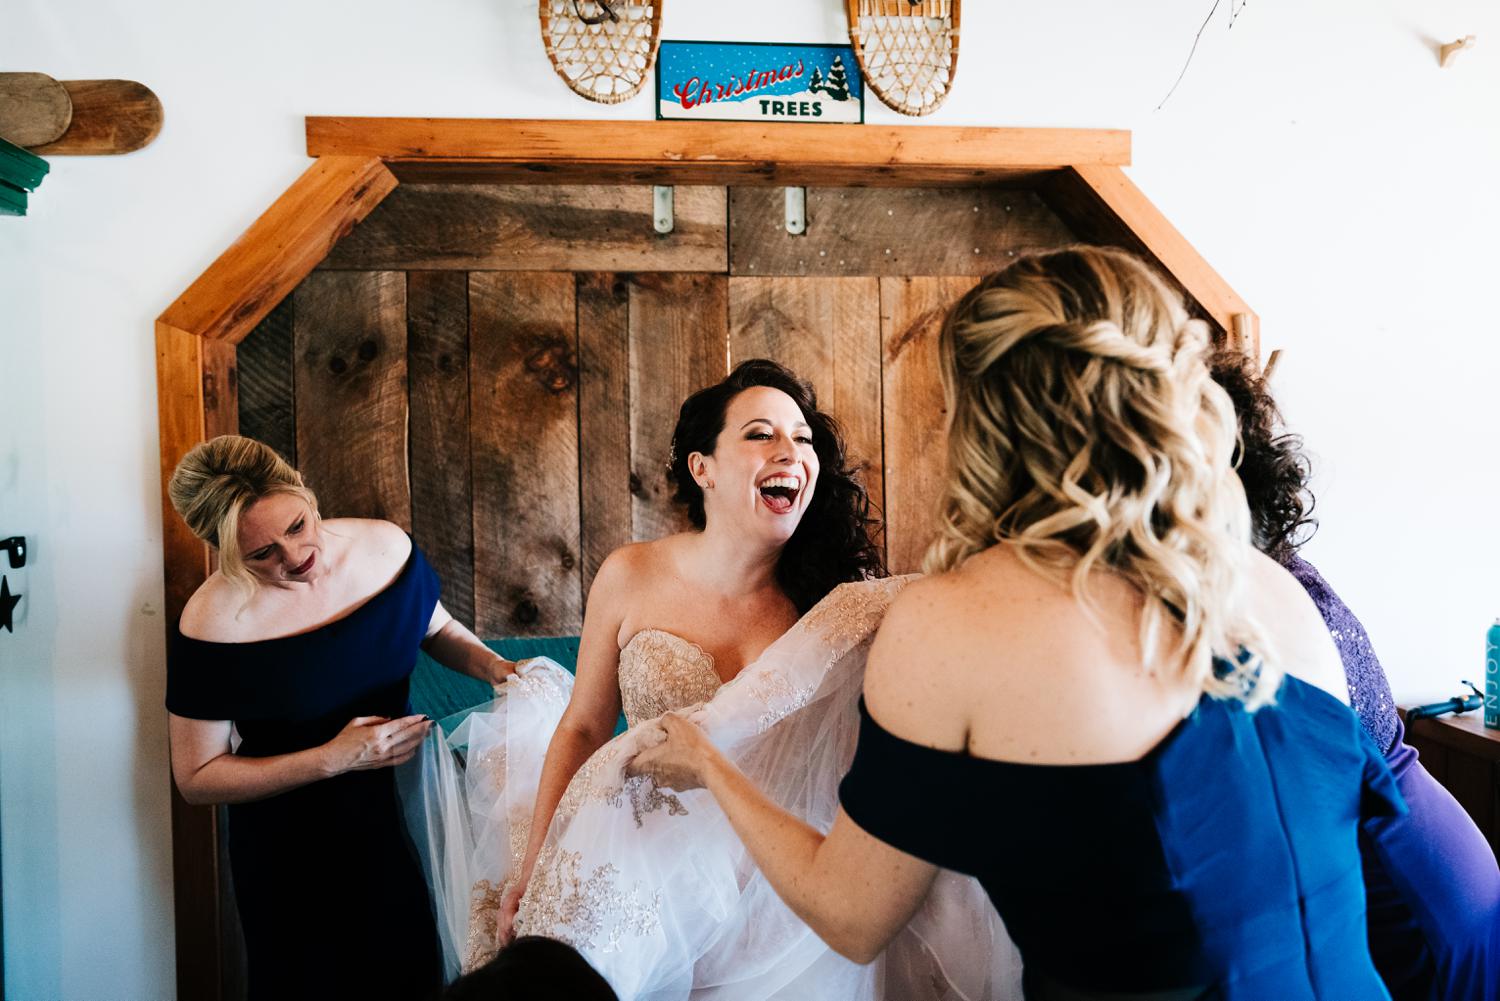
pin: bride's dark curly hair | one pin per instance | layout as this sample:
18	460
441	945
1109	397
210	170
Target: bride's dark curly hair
1270	461
832	543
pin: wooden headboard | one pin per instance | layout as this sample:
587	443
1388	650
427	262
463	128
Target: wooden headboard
494	355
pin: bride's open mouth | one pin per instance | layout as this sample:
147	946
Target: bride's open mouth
779	493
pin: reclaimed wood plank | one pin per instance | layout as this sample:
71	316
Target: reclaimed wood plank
604	406
911	315
867	231
679	343
442	495
523	344
827	330
280	248
459	170
349	336
267	395
536	228
915	147
109	117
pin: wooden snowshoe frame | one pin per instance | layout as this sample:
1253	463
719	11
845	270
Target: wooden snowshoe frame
602	49
907	50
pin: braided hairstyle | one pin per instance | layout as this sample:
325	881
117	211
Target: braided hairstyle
1085	433
831	545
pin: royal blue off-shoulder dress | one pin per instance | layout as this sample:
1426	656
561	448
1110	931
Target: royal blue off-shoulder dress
1224	864
330	896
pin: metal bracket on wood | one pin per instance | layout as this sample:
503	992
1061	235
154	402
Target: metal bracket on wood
661	202
796	211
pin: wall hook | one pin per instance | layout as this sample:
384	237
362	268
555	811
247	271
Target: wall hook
661	208
796	211
16	547
1447	52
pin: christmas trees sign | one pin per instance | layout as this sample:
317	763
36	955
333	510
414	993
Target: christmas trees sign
757	82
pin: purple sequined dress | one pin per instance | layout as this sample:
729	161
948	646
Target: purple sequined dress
1431	883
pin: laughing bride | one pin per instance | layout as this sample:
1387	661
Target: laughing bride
762	615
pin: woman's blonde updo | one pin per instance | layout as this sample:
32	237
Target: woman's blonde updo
217	480
1086	433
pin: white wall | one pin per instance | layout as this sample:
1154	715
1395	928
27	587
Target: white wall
1315	154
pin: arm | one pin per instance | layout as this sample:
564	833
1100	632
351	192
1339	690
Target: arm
207	772
452	644
855	891
586	724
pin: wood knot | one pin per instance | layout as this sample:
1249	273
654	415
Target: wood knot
526	612
368	350
337	365
555	366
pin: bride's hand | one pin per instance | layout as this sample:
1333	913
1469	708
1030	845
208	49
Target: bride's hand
505	920
679	759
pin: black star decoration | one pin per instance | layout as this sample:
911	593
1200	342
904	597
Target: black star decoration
8	603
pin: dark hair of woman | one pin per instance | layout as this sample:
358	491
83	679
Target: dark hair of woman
1270	462
831	545
532	968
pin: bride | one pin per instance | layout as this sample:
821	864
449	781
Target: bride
761	616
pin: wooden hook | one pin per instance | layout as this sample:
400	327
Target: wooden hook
1447	52
1271	362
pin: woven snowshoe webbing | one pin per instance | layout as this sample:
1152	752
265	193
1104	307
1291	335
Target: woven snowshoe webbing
602	49
907	50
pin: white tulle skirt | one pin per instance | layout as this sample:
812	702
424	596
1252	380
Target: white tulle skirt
654	887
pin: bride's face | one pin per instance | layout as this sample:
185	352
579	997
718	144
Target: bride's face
763	470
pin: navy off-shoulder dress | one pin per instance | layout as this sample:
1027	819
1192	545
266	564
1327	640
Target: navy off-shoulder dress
330	895
1222	865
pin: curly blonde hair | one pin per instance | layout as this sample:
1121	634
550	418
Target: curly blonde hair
217	480
1086	434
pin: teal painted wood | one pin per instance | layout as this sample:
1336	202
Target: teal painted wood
441	693
20	168
12	200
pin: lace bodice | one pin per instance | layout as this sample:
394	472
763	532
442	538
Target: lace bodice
660	671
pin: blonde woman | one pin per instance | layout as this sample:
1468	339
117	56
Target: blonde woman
1104	703
303	641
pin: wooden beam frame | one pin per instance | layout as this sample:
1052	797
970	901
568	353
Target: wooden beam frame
361	160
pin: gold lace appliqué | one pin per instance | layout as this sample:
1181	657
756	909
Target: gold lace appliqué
587	913
484	918
660	671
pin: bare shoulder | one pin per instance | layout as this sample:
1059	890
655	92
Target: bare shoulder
374	551
915	676
619	579
378	540
210	613
1295	627
624	567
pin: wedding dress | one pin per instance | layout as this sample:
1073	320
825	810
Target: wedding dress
653	886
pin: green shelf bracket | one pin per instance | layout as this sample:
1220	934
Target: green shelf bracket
20	172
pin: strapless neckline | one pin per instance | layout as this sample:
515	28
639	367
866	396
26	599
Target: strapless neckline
660	671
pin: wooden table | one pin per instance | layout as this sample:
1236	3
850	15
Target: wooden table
1465	757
